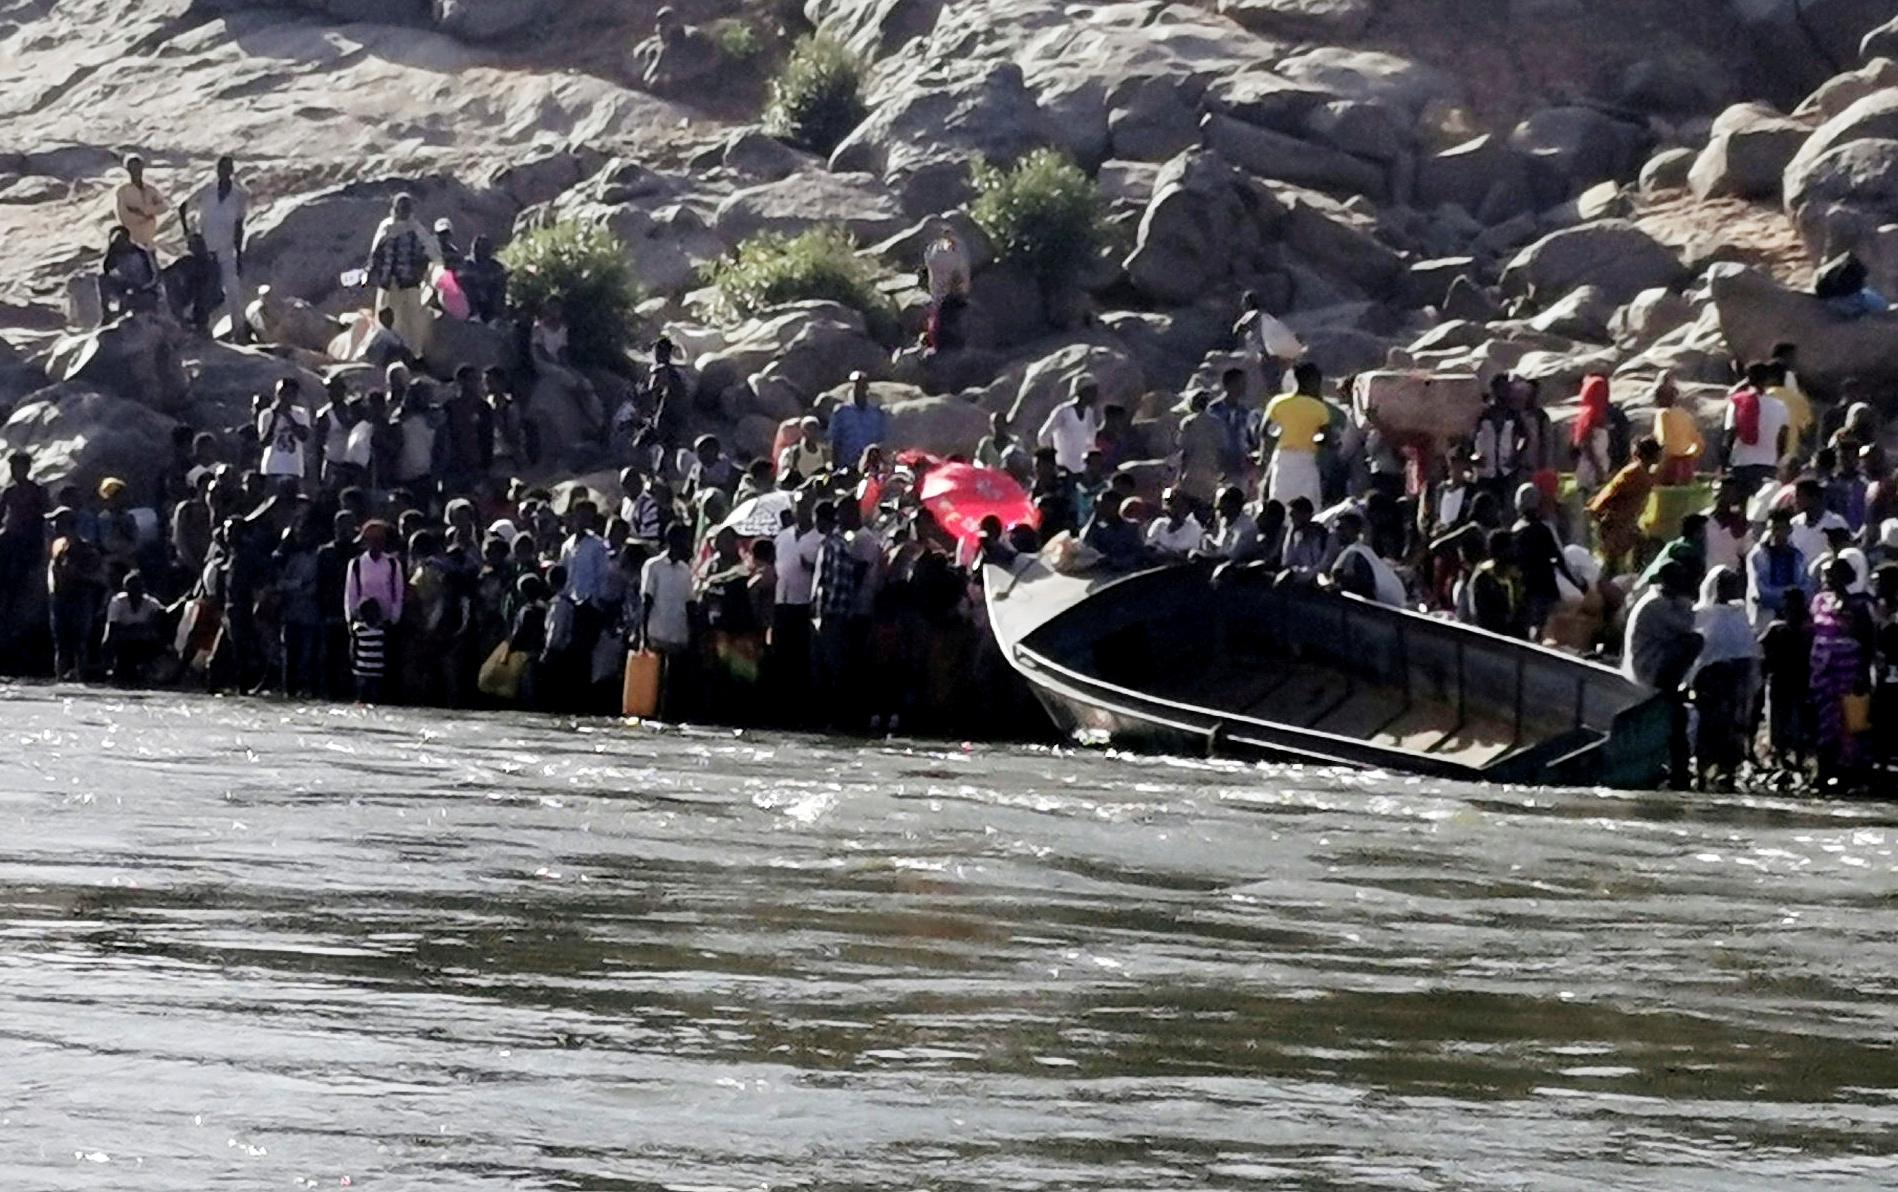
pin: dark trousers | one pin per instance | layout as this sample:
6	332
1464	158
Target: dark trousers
830	669
302	649
74	614
788	663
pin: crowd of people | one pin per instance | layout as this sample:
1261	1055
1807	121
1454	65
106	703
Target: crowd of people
377	546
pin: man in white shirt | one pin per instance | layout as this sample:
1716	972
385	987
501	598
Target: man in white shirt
790	658
1177	534
1074	427
217	213
138	204
1754	463
284	430
665	594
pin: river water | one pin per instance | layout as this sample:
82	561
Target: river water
256	946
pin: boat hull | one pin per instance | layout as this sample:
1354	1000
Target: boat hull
1574	723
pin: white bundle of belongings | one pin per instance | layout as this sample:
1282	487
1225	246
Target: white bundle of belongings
1443	406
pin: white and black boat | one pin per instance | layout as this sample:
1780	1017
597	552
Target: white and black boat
1165	660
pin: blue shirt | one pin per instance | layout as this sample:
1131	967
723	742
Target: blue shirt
853	428
585	558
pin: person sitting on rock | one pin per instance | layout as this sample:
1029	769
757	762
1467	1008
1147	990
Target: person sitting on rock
399	259
128	277
1842	283
675	57
191	286
384	345
483	281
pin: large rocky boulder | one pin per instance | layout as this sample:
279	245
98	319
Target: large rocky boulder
137	357
1334	243
1576	147
458	342
809	346
1316	20
1799	44
81	434
1374	77
1881	42
1268	154
1029	392
920	137
1845	198
1756	312
281	319
857	202
1150	120
1209	226
225	379
1484	175
1873	118
1613	254
942	425
1667	170
1264	100
874	28
1747	157
1843	90
490	20
300	246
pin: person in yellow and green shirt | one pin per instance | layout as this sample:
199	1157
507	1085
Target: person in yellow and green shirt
1298	421
1678	434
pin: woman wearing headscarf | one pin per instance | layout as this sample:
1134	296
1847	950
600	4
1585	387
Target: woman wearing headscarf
1618	507
1724	677
128	275
1841	653
399	261
1589	436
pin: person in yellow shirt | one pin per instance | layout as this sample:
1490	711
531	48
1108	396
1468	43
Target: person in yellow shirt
1297	420
1679	436
138	204
1785	387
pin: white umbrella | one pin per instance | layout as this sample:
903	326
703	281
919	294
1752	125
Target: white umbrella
760	516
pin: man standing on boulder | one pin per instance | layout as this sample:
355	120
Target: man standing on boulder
856	426
219	209
139	205
399	258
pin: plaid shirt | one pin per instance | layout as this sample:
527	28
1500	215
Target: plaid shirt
839	575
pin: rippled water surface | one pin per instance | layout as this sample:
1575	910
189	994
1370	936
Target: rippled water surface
257	946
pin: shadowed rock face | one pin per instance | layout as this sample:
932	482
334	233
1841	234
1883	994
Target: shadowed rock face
1369	169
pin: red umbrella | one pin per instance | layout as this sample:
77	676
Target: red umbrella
961	495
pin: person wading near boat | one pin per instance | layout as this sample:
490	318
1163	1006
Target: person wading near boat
1539	561
399	259
1660	647
216	214
1297	421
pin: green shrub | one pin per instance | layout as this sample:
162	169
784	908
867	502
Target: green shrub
822	264
1045	215
738	39
585	267
817	97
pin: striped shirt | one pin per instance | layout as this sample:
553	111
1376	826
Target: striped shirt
368	653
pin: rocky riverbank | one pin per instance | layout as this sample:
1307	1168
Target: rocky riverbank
1475	185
